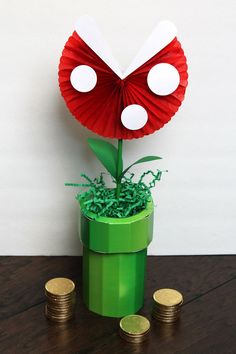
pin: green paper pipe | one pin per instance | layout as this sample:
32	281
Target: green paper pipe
113	284
114	262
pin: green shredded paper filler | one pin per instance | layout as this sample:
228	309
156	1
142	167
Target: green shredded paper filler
102	201
128	197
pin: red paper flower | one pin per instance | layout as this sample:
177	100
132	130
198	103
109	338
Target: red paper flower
127	108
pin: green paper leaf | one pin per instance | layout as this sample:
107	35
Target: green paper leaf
106	154
143	159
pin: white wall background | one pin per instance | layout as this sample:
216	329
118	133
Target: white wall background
42	146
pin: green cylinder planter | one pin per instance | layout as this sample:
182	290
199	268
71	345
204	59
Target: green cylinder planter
114	262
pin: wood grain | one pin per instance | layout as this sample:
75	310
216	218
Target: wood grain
208	321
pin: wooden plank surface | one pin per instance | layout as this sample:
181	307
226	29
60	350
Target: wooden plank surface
208	321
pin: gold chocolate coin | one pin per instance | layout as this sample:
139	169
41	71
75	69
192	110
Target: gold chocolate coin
168	297
134	339
134	324
60	286
60	299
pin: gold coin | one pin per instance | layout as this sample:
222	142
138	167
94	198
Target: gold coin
165	307
59	297
165	319
59	300
167	312
164	316
135	335
61	307
60	310
134	339
168	297
58	320
57	317
134	324
60	313
60	286
61	303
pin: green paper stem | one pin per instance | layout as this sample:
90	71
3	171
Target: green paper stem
119	168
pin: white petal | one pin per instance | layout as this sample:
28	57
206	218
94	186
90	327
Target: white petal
87	29
162	35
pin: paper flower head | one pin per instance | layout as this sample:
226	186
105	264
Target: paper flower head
129	105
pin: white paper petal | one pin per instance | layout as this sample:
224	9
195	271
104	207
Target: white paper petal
162	35
87	29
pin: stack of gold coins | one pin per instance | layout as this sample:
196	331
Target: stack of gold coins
60	297
167	305
134	328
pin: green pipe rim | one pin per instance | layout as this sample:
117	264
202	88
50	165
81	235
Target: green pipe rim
103	219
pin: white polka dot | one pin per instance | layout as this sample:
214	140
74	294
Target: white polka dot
83	78
163	79
134	117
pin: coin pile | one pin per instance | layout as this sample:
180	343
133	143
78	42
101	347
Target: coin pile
60	297
134	328
167	305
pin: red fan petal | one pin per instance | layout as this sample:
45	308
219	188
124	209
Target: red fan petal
100	109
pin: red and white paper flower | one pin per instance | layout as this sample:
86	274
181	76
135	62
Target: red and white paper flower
116	105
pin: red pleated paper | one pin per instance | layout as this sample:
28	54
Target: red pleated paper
100	109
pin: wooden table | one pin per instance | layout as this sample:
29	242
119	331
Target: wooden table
207	325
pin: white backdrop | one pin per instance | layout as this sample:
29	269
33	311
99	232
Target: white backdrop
42	146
